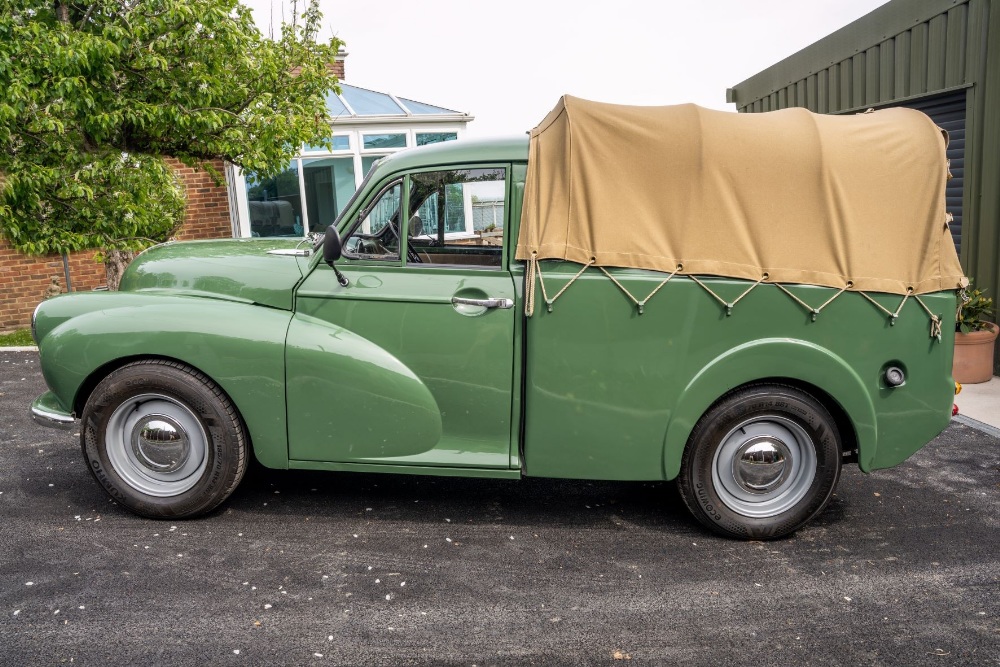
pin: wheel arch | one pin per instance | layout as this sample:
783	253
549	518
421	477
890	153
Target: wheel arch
90	382
240	347
799	364
845	427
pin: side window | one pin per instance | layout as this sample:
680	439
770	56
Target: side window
375	235
457	217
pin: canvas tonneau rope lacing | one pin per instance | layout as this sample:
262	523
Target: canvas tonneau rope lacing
534	269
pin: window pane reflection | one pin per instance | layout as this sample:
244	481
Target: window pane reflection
329	186
274	203
424	138
340	143
457	218
379	141
461	202
367	161
377	235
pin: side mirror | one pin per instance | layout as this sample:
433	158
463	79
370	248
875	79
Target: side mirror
332	246
333	249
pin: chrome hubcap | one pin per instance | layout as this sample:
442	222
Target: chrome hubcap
764	466
157	445
761	465
160	443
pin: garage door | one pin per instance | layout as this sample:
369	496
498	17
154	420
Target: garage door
948	111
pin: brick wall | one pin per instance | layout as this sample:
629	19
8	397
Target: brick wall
336	68
207	213
24	280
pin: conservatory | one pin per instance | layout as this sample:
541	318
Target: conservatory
316	185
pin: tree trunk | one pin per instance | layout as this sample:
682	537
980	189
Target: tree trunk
115	262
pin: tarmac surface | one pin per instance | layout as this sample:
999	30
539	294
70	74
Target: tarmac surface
298	568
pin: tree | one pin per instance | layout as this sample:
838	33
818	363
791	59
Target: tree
94	93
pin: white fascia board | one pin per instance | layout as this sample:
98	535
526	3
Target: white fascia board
402	120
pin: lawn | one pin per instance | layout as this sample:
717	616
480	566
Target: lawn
16	338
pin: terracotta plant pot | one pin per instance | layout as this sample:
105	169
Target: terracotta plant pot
974	356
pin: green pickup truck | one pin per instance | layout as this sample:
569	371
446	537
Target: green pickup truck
743	304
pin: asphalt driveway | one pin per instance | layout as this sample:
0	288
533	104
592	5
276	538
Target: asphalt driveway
347	569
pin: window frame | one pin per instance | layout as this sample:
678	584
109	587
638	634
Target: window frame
365	210
312	152
505	239
245	201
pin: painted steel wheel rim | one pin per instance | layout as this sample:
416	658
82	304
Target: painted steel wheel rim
157	445
764	466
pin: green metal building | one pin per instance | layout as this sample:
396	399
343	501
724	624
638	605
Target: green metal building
939	56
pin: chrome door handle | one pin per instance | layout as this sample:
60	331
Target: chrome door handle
483	303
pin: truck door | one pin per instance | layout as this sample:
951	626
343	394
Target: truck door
429	311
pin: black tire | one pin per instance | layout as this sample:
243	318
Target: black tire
761	462
163	440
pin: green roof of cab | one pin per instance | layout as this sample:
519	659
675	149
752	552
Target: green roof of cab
508	149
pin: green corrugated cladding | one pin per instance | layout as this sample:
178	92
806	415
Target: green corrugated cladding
906	50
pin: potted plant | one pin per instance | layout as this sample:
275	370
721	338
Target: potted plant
974	338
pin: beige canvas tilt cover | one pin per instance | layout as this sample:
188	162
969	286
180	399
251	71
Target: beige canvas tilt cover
804	198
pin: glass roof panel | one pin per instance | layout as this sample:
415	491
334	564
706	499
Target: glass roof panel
370	103
421	108
334	106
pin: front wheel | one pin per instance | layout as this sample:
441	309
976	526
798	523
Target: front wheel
761	462
163	439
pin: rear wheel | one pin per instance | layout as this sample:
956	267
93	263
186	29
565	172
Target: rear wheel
761	462
163	439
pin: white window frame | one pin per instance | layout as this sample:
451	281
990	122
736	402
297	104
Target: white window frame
355	132
352	144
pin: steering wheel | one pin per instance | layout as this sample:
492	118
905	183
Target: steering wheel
411	255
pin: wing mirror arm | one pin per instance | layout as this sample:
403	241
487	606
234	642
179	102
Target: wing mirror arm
332	251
